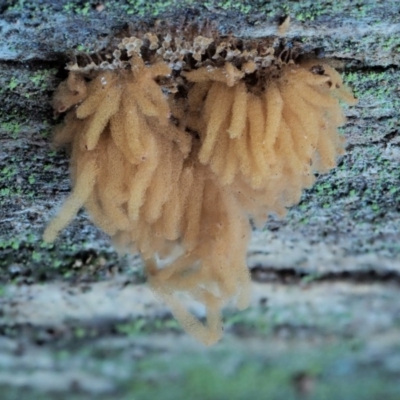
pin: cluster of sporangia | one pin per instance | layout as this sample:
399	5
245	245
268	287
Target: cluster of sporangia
176	143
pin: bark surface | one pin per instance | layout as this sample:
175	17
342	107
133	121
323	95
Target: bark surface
78	319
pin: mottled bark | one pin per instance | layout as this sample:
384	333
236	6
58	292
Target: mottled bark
327	275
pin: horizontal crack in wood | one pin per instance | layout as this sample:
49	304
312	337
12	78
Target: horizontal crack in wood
293	276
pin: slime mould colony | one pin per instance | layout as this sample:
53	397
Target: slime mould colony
177	140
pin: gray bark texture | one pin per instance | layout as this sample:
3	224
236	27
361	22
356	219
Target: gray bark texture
78	321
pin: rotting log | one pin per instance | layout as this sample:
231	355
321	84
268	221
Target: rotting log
345	231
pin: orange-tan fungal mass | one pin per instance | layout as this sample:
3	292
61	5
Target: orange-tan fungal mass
175	145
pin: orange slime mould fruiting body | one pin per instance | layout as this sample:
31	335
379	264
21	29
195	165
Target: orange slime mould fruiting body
173	152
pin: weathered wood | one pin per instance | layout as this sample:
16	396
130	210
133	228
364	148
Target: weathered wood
340	245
